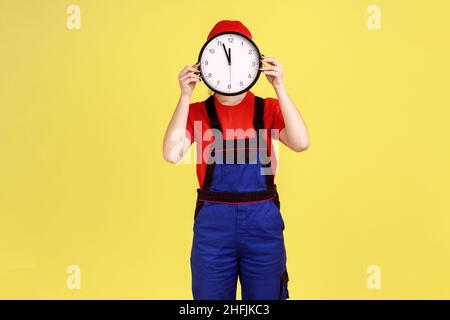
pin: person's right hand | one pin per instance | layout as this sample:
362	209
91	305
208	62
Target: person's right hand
187	78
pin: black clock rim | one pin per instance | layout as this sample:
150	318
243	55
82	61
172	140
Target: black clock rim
254	80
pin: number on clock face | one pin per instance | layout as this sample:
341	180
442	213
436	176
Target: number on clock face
230	63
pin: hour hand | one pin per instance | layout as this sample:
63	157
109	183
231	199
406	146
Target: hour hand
226	53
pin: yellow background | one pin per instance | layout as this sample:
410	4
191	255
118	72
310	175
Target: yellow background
82	118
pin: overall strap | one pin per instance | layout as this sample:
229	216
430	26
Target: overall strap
258	117
212	113
258	123
215	124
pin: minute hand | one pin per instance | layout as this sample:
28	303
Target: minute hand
226	53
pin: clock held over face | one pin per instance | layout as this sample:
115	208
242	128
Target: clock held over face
230	63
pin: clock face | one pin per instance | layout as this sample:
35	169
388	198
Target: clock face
229	63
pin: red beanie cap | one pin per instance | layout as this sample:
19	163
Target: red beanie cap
229	26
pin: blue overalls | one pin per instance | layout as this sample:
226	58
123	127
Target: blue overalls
238	226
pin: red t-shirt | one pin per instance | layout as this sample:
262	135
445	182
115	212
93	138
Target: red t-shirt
239	116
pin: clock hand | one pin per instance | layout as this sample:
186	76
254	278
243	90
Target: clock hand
230	73
229	62
228	58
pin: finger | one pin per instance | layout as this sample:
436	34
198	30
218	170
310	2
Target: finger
188	69
194	67
269	64
194	70
271	61
189	74
271	73
193	79
190	79
270	67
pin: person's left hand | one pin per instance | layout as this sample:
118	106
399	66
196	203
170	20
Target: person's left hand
273	71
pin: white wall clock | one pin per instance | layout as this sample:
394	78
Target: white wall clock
229	63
